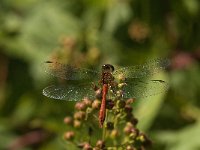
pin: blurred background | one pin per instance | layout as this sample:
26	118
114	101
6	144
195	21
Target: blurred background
88	34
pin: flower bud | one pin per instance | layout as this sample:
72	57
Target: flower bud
119	93
128	109
98	94
129	124
121	77
134	133
80	115
69	135
127	129
109	104
121	85
130	101
129	116
96	104
110	125
121	104
130	147
87	146
147	143
114	133
80	106
77	123
117	112
134	121
68	120
143	138
100	144
87	101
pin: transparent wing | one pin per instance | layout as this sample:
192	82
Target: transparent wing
70	92
142	89
145	70
68	72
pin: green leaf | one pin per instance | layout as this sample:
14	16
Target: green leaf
118	13
184	139
24	110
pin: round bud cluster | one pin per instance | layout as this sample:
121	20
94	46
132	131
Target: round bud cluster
123	112
82	108
120	124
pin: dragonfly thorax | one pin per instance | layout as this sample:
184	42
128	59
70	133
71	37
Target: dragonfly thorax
107	78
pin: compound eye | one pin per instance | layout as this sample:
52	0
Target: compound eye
108	67
112	68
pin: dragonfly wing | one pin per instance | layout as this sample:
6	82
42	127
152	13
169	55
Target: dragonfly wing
145	70
70	92
142	89
68	72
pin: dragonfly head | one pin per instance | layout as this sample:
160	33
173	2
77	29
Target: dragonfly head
108	68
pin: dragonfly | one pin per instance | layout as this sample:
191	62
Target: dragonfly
136	85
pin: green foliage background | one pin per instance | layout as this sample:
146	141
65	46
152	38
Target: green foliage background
90	33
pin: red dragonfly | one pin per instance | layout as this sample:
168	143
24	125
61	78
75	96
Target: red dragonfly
136	87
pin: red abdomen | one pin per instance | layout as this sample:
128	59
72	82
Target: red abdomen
102	112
